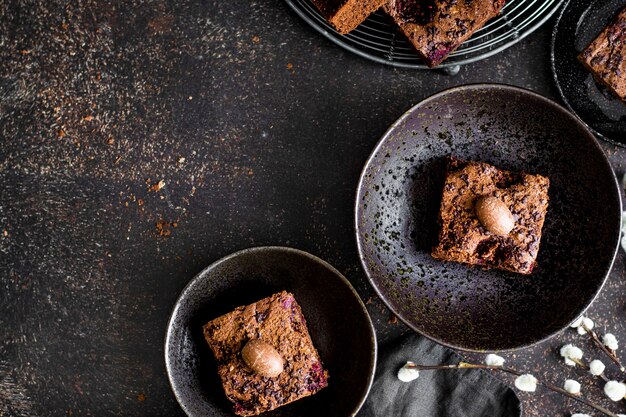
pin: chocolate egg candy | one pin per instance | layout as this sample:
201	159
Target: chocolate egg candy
262	358
495	216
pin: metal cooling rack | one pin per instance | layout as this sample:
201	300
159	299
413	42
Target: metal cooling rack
378	39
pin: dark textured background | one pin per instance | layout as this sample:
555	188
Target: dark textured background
257	129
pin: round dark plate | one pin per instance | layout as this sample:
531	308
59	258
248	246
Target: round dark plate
338	322
579	24
398	199
378	39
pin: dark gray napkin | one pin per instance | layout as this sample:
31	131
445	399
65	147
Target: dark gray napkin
444	393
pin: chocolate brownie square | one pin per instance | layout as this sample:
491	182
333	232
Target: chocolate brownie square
276	322
437	27
346	15
604	57
463	236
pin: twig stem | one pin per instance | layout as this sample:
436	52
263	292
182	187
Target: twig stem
611	354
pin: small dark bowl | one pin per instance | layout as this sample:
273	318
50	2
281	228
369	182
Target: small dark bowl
397	205
338	322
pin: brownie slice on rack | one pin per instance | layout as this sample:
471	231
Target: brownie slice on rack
437	27
345	15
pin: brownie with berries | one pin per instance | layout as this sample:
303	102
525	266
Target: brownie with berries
491	217
437	27
265	356
346	15
605	56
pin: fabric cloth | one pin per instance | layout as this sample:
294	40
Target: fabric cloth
440	393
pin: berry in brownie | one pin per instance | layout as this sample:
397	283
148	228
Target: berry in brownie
491	217
265	356
437	27
604	57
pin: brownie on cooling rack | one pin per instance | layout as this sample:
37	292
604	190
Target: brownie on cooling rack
467	235
437	27
277	323
605	56
345	15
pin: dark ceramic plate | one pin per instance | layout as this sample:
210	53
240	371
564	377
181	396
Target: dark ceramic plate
579	23
337	320
396	218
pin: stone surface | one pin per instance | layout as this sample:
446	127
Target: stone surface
143	140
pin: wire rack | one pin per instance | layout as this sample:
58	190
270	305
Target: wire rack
378	39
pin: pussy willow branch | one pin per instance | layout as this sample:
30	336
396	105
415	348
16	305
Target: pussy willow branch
598	342
465	365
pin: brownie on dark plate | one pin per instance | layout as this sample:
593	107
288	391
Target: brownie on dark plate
491	217
437	27
605	56
277	325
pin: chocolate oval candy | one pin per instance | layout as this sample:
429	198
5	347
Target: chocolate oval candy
262	358
495	215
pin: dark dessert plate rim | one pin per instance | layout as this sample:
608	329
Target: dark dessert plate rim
566	101
188	290
360	189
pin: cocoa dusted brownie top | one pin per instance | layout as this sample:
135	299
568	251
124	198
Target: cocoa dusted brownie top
491	217
265	356
604	57
438	27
